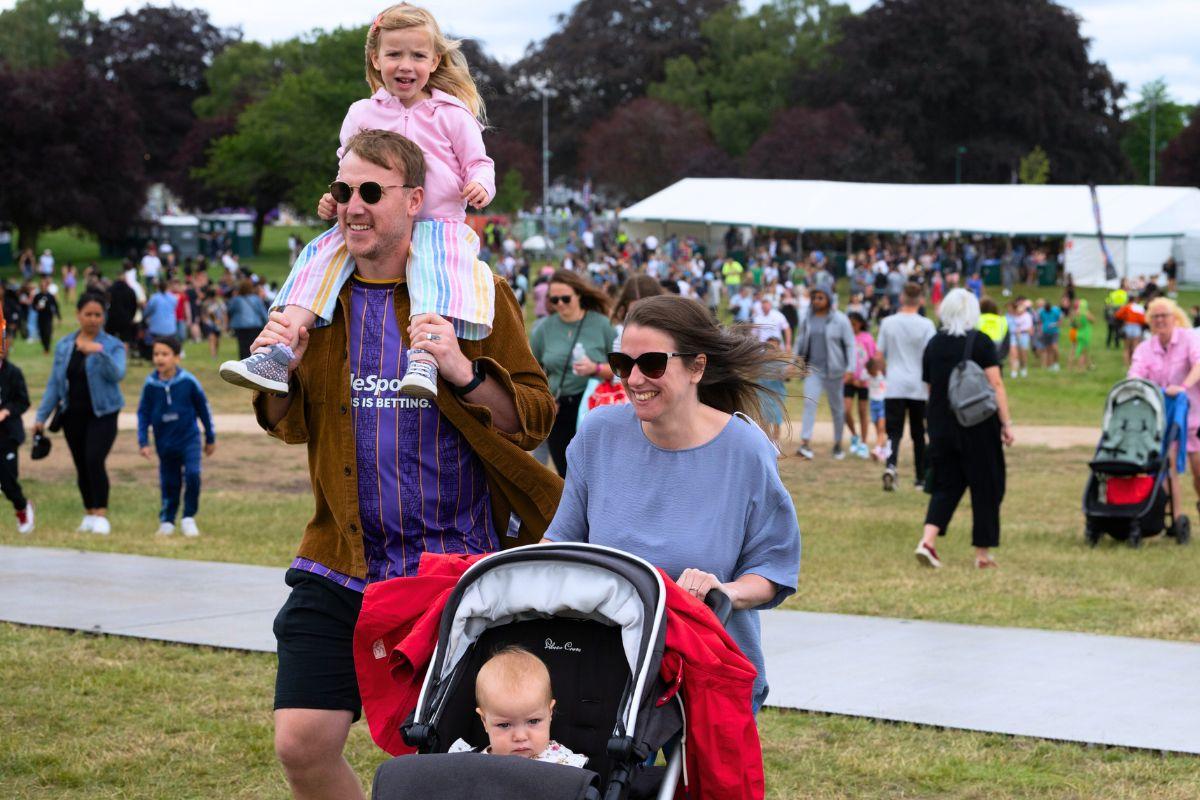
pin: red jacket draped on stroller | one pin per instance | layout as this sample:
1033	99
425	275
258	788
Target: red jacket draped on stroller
397	633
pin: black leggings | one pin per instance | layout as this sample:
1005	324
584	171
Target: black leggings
973	459
45	325
9	482
563	431
245	338
90	438
894	410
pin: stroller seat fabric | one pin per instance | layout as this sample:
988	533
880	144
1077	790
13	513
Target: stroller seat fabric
1132	436
587	672
471	776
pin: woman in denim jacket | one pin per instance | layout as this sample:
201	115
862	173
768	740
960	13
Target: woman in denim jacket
85	386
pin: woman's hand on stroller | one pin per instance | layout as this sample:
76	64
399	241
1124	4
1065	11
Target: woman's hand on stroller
1172	391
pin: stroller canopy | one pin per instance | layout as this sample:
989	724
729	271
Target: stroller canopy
583	581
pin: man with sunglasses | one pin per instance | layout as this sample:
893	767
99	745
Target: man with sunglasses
393	476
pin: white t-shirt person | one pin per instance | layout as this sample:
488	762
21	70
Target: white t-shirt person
769	323
902	340
151	266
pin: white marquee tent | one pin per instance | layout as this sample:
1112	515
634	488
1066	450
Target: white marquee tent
1142	224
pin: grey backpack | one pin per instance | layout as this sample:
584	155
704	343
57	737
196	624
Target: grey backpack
971	394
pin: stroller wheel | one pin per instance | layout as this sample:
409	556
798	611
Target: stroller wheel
1135	536
1092	535
1182	530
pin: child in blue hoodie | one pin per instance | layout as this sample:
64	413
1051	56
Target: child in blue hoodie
172	403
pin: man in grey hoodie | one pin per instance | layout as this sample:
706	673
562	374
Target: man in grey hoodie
825	340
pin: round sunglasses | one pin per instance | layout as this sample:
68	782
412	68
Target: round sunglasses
652	365
370	191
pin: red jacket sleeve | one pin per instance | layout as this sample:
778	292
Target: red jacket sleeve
394	641
723	754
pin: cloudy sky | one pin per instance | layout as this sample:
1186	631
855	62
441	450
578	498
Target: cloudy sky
1139	39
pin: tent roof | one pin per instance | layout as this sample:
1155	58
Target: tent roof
898	208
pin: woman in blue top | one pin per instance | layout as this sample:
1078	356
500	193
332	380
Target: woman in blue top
85	384
681	476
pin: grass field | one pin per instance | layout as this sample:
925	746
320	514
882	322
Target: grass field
99	717
146	719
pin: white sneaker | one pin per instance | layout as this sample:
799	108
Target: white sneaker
420	378
188	526
88	524
166	528
1013	374
25	519
101	526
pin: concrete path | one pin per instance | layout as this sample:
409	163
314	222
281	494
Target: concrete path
1055	685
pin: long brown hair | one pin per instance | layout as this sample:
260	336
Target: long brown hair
590	297
638	287
737	363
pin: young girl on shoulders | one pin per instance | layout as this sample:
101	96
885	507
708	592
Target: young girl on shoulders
423	90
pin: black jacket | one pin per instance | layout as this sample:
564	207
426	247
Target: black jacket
14	396
122	305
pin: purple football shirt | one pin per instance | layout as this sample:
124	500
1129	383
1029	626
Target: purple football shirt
420	485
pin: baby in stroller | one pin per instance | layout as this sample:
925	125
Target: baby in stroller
515	705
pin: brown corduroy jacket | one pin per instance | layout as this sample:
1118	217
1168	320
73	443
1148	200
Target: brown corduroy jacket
319	416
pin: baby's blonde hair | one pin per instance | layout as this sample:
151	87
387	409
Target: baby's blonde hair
452	75
511	670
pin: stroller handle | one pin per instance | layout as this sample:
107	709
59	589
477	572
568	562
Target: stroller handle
720	604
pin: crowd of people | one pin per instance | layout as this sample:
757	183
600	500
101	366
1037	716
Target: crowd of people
148	311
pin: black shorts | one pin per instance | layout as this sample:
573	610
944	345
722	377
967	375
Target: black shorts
851	392
315	635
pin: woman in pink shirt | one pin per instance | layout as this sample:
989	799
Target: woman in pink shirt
423	91
1171	359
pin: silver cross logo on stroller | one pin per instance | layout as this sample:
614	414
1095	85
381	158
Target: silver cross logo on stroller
569	647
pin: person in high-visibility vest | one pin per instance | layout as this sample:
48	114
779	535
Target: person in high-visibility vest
995	326
732	272
1112	301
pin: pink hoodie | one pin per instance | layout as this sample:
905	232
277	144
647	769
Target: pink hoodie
447	133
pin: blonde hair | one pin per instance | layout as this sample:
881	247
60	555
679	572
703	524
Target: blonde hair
512	670
1171	306
452	75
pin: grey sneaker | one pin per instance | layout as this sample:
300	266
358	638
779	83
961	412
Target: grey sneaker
420	378
805	451
266	370
838	454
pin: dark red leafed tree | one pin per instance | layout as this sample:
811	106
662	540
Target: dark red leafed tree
68	162
647	145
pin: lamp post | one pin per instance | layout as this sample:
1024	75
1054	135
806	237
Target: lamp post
1153	106
959	152
546	163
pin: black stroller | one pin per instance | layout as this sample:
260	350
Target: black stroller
596	617
1128	493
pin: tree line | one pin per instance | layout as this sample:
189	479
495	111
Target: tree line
640	93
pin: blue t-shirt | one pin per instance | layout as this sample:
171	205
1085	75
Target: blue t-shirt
160	315
720	507
1050	317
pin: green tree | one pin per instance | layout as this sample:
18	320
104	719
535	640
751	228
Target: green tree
33	33
1169	120
749	66
293	98
511	194
1035	167
997	78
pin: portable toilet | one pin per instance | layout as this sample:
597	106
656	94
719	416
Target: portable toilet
183	232
236	229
